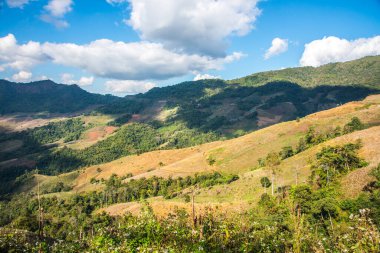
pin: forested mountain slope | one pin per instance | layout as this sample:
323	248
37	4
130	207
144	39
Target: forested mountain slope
365	71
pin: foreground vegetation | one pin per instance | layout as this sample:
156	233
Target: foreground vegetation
301	218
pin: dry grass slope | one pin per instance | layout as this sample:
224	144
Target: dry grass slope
240	156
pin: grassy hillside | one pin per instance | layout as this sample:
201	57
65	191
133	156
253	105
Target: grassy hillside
365	71
145	199
240	156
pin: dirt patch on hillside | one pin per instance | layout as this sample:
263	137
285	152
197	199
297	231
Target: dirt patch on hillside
97	133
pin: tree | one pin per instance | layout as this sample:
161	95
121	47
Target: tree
333	161
273	160
301	145
286	152
265	182
354	125
261	162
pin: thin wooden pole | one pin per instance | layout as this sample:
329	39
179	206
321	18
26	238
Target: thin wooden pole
193	208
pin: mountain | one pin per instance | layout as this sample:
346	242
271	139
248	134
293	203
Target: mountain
47	96
363	72
211	196
205	166
214	105
179	116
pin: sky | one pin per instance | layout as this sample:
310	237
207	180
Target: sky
125	47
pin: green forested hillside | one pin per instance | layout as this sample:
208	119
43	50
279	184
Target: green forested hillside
365	71
51	97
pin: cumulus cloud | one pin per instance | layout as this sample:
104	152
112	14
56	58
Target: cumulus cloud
129	61
205	76
279	46
17	3
22	76
83	81
129	86
333	49
196	26
58	8
110	59
55	12
19	57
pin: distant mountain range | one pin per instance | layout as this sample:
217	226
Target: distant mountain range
48	96
363	72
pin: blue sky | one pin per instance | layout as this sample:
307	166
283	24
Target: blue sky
162	42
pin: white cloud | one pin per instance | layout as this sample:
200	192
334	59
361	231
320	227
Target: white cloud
59	23
110	59
205	76
67	78
19	57
17	3
131	61
22	76
113	2
129	86
196	26
279	46
333	49
41	78
83	81
56	10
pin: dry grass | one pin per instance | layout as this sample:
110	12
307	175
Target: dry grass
240	156
248	187
163	208
160	163
23	121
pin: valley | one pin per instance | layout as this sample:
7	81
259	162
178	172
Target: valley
289	155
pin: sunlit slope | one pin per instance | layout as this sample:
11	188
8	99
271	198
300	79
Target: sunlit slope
240	155
238	196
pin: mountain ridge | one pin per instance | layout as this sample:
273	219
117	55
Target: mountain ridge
46	95
364	71
21	97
